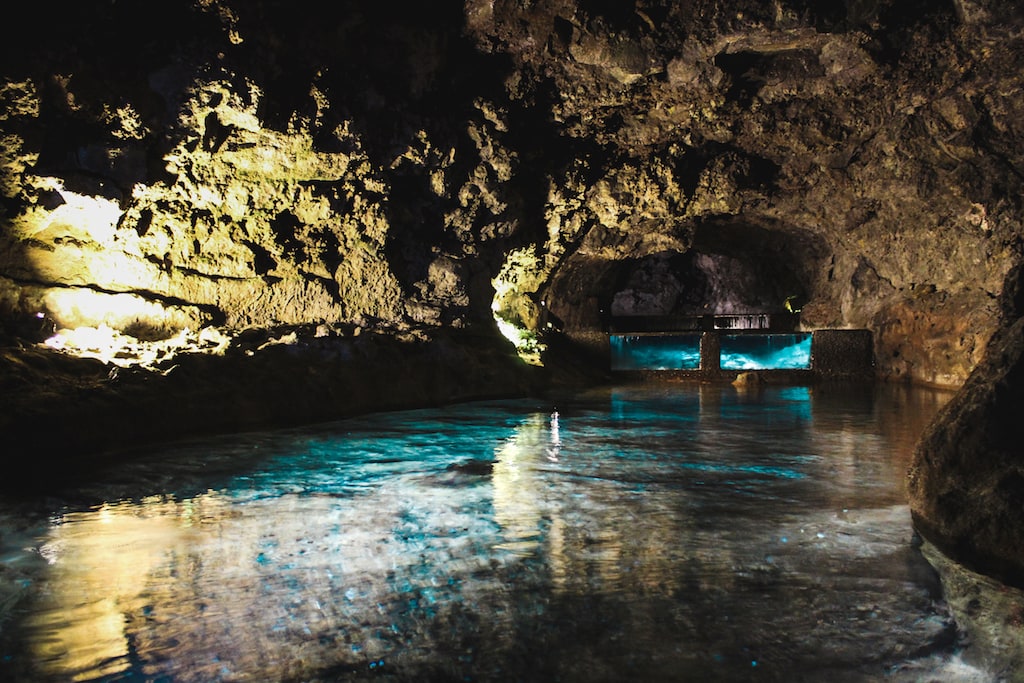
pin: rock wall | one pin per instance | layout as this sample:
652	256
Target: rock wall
860	138
966	482
254	164
278	165
74	416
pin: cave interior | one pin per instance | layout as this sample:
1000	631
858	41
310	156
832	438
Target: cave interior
261	213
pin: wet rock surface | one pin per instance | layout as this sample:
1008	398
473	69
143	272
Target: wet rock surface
989	614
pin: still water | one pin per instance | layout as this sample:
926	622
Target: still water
636	533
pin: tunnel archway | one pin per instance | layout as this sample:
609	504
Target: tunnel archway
731	267
672	284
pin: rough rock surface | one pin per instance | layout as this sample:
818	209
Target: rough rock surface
967	479
238	166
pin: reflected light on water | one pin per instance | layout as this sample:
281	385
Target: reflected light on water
102	564
628	534
518	491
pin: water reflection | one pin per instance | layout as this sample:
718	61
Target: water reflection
640	533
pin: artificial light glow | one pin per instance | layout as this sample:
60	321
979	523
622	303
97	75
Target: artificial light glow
527	344
766	352
80	307
738	352
115	348
654	352
100	317
103	563
514	311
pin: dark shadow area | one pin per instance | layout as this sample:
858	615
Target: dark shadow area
900	25
87	59
786	259
748	171
733	268
749	71
830	16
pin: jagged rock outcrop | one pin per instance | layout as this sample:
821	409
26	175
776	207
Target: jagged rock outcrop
967	480
240	166
258	164
856	138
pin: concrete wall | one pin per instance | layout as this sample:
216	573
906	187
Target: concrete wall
842	353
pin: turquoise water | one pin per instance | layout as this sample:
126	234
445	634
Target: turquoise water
654	352
637	533
766	352
682	352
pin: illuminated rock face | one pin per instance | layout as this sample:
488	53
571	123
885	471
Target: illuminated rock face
843	148
252	165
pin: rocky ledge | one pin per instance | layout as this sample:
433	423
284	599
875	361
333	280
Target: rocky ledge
62	416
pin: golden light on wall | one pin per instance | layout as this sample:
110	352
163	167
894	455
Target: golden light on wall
97	270
85	217
113	347
514	312
73	308
518	494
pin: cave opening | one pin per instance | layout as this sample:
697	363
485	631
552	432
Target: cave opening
256	213
744	283
698	288
729	270
665	303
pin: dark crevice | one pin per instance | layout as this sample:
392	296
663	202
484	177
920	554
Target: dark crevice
416	219
263	261
747	170
897	23
331	285
285	227
215	133
750	71
213	277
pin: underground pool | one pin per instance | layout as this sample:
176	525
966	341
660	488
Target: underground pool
648	532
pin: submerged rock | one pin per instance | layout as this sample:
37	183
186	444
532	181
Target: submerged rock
472	467
748	380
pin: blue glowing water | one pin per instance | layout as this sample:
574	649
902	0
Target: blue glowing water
766	352
655	352
738	352
640	533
